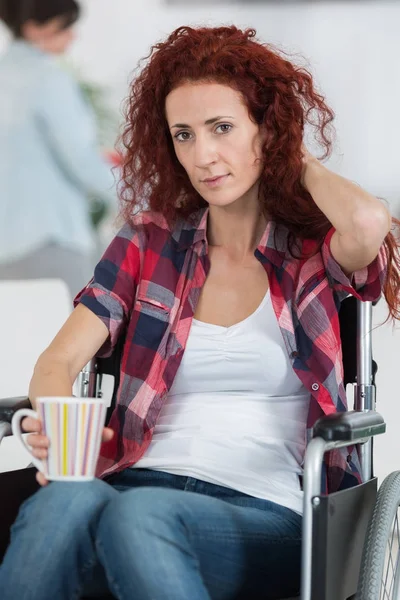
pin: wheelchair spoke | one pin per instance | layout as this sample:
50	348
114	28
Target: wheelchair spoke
390	576
390	563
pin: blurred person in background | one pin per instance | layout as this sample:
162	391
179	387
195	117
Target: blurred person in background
50	161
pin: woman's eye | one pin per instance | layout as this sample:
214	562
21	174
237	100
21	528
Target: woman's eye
182	136
223	128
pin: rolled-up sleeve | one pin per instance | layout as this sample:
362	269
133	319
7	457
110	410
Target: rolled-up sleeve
365	284
110	294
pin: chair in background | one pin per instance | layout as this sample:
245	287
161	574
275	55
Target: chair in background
33	311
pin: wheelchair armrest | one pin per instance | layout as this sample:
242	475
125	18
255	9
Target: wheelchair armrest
349	426
8	406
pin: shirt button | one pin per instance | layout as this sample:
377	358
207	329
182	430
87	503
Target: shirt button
295	354
315	387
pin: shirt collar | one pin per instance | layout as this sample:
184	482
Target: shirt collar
22	46
272	246
187	232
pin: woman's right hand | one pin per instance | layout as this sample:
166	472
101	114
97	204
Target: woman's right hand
40	443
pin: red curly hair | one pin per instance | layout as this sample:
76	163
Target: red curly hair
279	95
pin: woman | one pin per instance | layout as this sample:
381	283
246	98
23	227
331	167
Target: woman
227	292
50	161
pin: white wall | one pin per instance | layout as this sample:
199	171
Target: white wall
353	48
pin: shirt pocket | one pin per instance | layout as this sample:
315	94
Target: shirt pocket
153	318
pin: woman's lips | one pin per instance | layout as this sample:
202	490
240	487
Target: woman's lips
215	181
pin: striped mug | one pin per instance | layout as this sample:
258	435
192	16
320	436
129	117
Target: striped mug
74	427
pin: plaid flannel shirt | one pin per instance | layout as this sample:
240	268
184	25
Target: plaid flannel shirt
146	287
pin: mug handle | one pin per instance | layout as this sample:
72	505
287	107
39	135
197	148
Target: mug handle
16	429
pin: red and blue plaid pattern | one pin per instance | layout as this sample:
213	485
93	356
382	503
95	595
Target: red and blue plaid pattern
146	287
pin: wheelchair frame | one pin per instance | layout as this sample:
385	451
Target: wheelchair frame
356	427
322	576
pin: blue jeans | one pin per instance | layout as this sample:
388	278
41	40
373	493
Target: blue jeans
148	535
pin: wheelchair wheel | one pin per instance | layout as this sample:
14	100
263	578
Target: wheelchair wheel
380	564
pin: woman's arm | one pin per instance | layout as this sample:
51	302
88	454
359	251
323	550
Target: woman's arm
57	368
75	344
361	220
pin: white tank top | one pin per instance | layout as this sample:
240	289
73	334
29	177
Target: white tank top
236	412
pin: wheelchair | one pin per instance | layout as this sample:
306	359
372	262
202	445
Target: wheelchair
350	544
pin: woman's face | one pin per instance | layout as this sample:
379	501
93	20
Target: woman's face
215	141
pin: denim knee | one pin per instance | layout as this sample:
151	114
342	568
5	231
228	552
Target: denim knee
143	509
66	506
